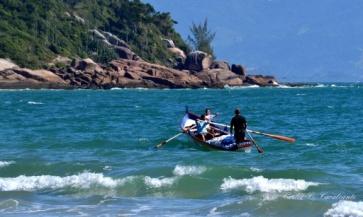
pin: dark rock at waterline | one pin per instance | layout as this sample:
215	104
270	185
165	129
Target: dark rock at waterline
261	80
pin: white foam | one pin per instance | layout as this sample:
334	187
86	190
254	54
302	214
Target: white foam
263	184
255	169
35	103
345	208
180	170
310	144
6	163
107	168
159	182
240	87
83	180
283	86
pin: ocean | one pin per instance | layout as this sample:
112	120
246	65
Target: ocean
92	153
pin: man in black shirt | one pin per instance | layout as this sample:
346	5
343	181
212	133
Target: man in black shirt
239	124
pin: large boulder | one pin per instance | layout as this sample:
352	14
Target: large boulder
173	49
86	65
177	52
218	64
26	78
198	61
6	64
125	53
239	70
219	78
153	75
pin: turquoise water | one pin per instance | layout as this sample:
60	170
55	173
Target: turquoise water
91	152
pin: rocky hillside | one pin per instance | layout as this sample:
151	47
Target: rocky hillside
47	30
104	44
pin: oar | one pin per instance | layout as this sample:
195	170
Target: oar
168	140
279	137
259	149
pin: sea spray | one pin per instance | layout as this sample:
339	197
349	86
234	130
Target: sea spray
180	170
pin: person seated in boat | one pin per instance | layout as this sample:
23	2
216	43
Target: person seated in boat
202	127
208	114
239	125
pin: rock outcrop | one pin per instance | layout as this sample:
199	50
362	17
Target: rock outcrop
220	65
198	61
198	70
12	76
261	80
120	46
173	49
239	70
6	64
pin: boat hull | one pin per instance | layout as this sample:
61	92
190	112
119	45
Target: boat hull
224	141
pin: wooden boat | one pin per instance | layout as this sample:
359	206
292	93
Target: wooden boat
219	139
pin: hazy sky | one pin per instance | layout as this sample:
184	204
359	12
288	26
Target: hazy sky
295	40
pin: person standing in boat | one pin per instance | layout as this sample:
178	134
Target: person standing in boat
239	125
202	126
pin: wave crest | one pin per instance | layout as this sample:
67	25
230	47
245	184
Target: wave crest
159	182
188	170
345	208
263	184
83	180
6	163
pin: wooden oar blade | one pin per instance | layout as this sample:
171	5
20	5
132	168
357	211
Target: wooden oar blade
279	137
283	138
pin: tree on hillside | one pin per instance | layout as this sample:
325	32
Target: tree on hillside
201	37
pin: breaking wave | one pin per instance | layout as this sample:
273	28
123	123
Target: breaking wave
345	208
159	182
263	184
188	170
5	163
83	180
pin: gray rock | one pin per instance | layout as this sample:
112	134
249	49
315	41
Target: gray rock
220	65
239	70
198	61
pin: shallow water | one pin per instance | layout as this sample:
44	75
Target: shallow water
87	152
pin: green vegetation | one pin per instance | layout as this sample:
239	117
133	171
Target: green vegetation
202	37
34	32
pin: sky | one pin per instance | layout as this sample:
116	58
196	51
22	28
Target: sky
294	40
